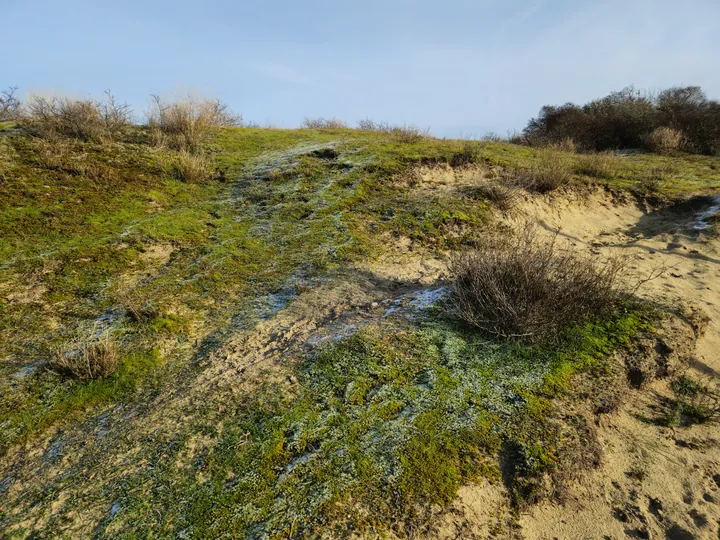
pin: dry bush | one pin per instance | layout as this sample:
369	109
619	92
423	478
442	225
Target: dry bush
95	360
600	165
192	168
86	120
525	287
11	108
504	196
404	133
664	140
183	124
324	123
543	176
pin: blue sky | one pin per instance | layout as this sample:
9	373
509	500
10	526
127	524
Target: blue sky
459	67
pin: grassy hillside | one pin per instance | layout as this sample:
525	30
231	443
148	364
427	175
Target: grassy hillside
115	239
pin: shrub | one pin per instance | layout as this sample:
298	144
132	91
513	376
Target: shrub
525	287
504	196
624	119
600	165
696	402
324	123
11	107
182	125
86	120
404	133
543	176
664	140
192	168
95	360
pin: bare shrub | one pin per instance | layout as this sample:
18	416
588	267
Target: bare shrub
192	168
86	120
324	123
504	196
403	133
543	176
183	124
95	360
525	287
664	140
599	165
11	108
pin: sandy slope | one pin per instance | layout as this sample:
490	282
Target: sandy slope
654	482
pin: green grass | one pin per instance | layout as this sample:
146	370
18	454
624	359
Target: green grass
382	426
79	223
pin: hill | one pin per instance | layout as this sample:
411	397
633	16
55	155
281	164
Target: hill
261	336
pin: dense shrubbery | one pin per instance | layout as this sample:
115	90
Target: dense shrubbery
676	118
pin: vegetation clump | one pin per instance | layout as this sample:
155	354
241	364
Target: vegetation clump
83	119
324	123
94	360
527	288
543	176
696	401
664	140
631	119
184	124
404	133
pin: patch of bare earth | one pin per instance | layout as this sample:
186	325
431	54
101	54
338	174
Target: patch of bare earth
654	481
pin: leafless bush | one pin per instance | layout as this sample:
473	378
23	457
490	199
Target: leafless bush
599	165
504	196
11	107
543	176
95	360
404	133
664	140
525	287
86	120
192	168
182	125
324	123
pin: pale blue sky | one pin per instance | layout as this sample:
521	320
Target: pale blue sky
460	67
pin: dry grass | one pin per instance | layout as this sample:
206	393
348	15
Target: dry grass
525	287
404	133
182	125
324	123
543	176
599	165
192	168
565	145
86	120
664	140
95	360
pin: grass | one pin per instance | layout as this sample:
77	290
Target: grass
381	427
91	232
